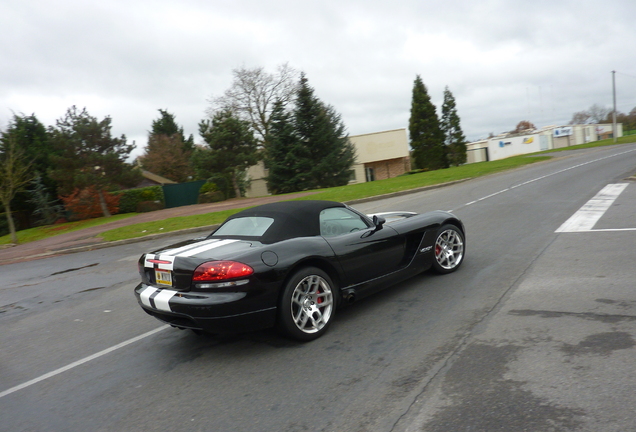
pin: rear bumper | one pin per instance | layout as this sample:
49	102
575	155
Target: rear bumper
214	312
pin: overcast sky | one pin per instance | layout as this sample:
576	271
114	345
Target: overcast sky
503	60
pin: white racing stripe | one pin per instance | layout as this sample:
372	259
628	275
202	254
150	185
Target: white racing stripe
593	210
184	251
144	296
163	266
162	299
206	248
181	249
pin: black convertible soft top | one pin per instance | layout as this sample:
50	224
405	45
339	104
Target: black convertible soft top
291	218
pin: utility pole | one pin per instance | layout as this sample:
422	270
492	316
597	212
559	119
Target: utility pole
614	126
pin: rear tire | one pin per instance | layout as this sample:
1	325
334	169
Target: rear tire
307	306
448	249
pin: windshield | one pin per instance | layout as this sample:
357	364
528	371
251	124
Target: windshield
246	226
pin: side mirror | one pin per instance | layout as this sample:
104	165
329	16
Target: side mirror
378	221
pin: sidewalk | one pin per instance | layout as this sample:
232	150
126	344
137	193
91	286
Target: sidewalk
88	238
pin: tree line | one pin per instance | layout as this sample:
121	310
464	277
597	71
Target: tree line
599	114
272	117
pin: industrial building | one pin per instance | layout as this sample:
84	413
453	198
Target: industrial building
379	155
547	138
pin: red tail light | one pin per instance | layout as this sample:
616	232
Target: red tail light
221	270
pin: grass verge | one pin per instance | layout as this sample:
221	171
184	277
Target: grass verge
39	233
342	193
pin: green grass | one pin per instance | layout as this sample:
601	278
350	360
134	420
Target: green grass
607	142
39	233
412	181
342	193
167	225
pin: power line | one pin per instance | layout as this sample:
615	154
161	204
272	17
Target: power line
621	73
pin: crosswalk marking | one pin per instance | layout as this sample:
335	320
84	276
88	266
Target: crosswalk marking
593	210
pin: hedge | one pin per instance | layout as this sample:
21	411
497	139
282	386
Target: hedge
130	199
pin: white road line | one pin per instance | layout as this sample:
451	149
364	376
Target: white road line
545	176
81	362
593	210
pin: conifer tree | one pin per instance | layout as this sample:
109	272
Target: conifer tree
232	147
427	139
15	173
88	156
46	209
287	159
320	129
168	152
167	125
454	138
31	138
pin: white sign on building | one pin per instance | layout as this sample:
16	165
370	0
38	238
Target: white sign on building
562	131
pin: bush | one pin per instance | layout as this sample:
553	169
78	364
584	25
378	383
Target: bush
130	199
208	187
210	193
84	203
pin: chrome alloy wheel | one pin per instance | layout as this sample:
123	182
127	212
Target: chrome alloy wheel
449	249
312	304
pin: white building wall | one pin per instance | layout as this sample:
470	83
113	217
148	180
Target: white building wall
376	147
257	175
552	137
379	146
503	147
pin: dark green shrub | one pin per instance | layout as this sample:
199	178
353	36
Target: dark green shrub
131	198
208	187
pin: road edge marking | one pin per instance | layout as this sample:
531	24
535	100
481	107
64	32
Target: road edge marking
81	361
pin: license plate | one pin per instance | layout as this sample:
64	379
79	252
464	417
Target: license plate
163	277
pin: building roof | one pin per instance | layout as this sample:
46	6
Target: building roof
156	178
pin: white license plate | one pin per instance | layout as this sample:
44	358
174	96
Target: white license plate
163	277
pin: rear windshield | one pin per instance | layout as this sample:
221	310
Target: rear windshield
254	226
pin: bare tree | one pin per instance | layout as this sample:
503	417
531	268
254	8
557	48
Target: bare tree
15	173
253	93
580	117
596	114
599	114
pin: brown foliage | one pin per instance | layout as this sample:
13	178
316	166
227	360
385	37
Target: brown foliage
84	203
524	125
165	156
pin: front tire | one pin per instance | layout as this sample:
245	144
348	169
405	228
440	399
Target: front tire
449	249
307	305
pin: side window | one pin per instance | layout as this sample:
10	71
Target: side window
339	220
245	226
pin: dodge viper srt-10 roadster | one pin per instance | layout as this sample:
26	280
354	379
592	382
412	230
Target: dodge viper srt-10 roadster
291	265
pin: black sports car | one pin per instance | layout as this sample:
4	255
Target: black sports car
291	265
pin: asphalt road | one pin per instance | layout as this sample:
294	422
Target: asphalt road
535	332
